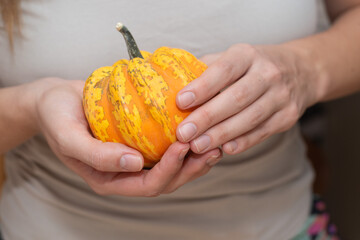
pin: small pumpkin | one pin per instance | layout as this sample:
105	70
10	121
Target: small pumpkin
133	101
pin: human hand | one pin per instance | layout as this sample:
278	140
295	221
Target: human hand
173	171
247	94
61	119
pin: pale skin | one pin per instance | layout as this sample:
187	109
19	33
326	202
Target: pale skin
264	91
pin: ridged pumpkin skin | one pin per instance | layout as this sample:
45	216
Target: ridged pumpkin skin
133	101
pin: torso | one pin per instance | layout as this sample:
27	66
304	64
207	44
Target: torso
263	193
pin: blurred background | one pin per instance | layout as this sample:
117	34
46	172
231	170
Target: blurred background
332	134
342	148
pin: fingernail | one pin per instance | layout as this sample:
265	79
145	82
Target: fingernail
185	99
202	143
231	146
213	160
131	162
187	131
183	154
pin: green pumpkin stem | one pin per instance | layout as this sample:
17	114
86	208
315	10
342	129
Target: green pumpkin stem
131	45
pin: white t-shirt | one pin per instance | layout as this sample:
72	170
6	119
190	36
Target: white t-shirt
263	193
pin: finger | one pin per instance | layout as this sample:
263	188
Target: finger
158	178
210	58
195	166
229	102
279	122
102	156
229	67
99	181
145	183
66	130
152	182
247	120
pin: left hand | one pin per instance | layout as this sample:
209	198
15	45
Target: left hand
247	94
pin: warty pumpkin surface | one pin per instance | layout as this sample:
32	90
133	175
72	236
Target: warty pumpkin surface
133	101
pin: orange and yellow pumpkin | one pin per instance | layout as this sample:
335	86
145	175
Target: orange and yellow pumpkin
133	101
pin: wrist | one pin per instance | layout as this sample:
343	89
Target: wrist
33	94
19	118
309	68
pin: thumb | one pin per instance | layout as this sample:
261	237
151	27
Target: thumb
103	156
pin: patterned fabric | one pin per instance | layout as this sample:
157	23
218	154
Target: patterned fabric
318	226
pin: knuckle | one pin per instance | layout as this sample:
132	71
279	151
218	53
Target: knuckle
272	72
170	190
257	115
250	49
207	116
239	95
151	189
98	189
153	193
224	66
264	133
284	94
293	112
201	88
197	167
223	135
244	48
292	116
96	160
61	143
235	47
243	144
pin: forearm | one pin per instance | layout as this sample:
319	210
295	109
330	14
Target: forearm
18	114
333	57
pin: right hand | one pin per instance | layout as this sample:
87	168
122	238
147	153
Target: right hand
109	168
